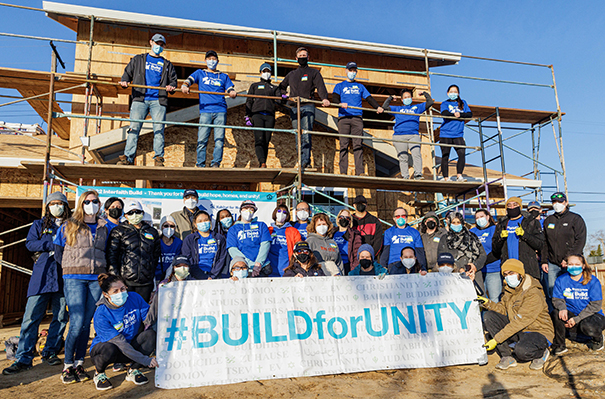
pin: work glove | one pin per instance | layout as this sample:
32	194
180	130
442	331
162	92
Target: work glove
490	345
519	231
248	121
482	300
504	234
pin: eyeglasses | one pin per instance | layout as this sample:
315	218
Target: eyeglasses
400	216
167	226
239	268
135	212
302	209
94	201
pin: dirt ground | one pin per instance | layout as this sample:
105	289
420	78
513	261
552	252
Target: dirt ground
577	374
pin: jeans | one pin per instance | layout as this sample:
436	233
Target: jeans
529	345
592	327
203	134
140	110
354	127
143	290
307	118
105	353
548	282
34	313
404	149
493	285
81	297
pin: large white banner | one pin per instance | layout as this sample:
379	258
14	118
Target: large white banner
224	331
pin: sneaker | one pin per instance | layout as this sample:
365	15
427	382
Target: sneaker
117	367
595	345
559	351
263	165
159	161
460	179
68	376
418	177
137	377
102	382
16	367
216	165
52	360
123	160
537	364
81	374
506	362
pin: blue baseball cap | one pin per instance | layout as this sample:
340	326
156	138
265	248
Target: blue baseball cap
534	204
158	38
266	65
189	192
445	258
351	65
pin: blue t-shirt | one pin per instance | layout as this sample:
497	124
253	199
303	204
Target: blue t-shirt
302	229
216	82
206	250
343	245
124	320
351	93
452	128
61	240
408	124
577	295
485	236
247	237
398	239
513	240
153	75
278	253
169	252
110	225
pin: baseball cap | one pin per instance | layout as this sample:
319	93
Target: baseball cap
534	204
351	65
558	197
301	245
132	206
266	65
158	38
189	192
211	53
181	260
360	199
445	257
248	203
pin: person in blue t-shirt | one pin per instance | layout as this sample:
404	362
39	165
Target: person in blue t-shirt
303	213
406	129
148	69
283	239
452	131
117	321
213	107
205	249
484	230
577	300
400	236
170	247
250	239
350	94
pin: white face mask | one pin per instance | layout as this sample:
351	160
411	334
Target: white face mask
481	222
445	269
91	209
302	215
56	210
191	203
322	229
266	75
280	217
246	215
351	75
168	232
181	272
512	280
558	207
408	262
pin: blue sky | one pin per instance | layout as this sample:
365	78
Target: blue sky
565	34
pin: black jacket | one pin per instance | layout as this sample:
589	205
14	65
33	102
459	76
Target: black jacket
134	253
303	81
135	73
262	88
565	235
530	242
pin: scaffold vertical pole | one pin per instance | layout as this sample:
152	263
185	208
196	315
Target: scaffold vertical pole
275	55
299	142
49	130
559	115
485	185
501	146
430	119
88	92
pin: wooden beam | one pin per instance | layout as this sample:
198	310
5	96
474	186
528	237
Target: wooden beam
60	125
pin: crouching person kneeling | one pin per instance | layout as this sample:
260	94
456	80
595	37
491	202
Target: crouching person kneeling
118	321
521	317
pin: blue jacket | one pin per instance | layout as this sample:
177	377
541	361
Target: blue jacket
47	276
190	250
378	270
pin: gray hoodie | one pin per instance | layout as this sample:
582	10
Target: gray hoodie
327	253
431	241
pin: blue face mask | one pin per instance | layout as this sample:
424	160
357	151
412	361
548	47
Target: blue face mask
240	274
407	101
482	222
512	281
119	299
157	49
351	75
227	222
211	64
452	96
574	270
456	228
203	227
401	222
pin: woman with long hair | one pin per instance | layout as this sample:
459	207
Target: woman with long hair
303	263
348	240
452	131
283	239
484	230
323	246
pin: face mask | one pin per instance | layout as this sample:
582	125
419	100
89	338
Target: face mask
91	209
240	274
191	203
119	299
534	213
574	270
266	75
558	207
302	215
168	232
115	213
408	262
452	96
445	269
247	215
303	61
401	222
203	226
181	272
365	263
280	217
227	222
512	280
456	228
360	207
212	64
56	210
351	75
322	229
513	212
431	224
157	49
302	258
343	222
481	222
407	101
134	219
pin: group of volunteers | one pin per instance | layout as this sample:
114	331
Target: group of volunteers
151	69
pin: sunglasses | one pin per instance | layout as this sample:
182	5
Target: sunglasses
167	226
135	212
94	201
302	251
400	216
559	197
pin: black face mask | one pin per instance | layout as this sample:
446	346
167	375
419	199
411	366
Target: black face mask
302	258
534	213
360	207
343	222
115	213
431	224
365	263
303	61
513	212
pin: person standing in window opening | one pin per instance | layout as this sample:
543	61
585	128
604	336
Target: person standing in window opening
408	263
118	320
148	69
205	249
221	226
565	234
406	129
347	239
184	217
367	265
133	251
452	131
80	250
368	225
170	247
303	212
399	236
535	210
324	248
213	107
431	233
303	82
113	212
577	300
350	122
484	230
283	239
250	239
239	269
303	263
45	286
260	112
521	317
